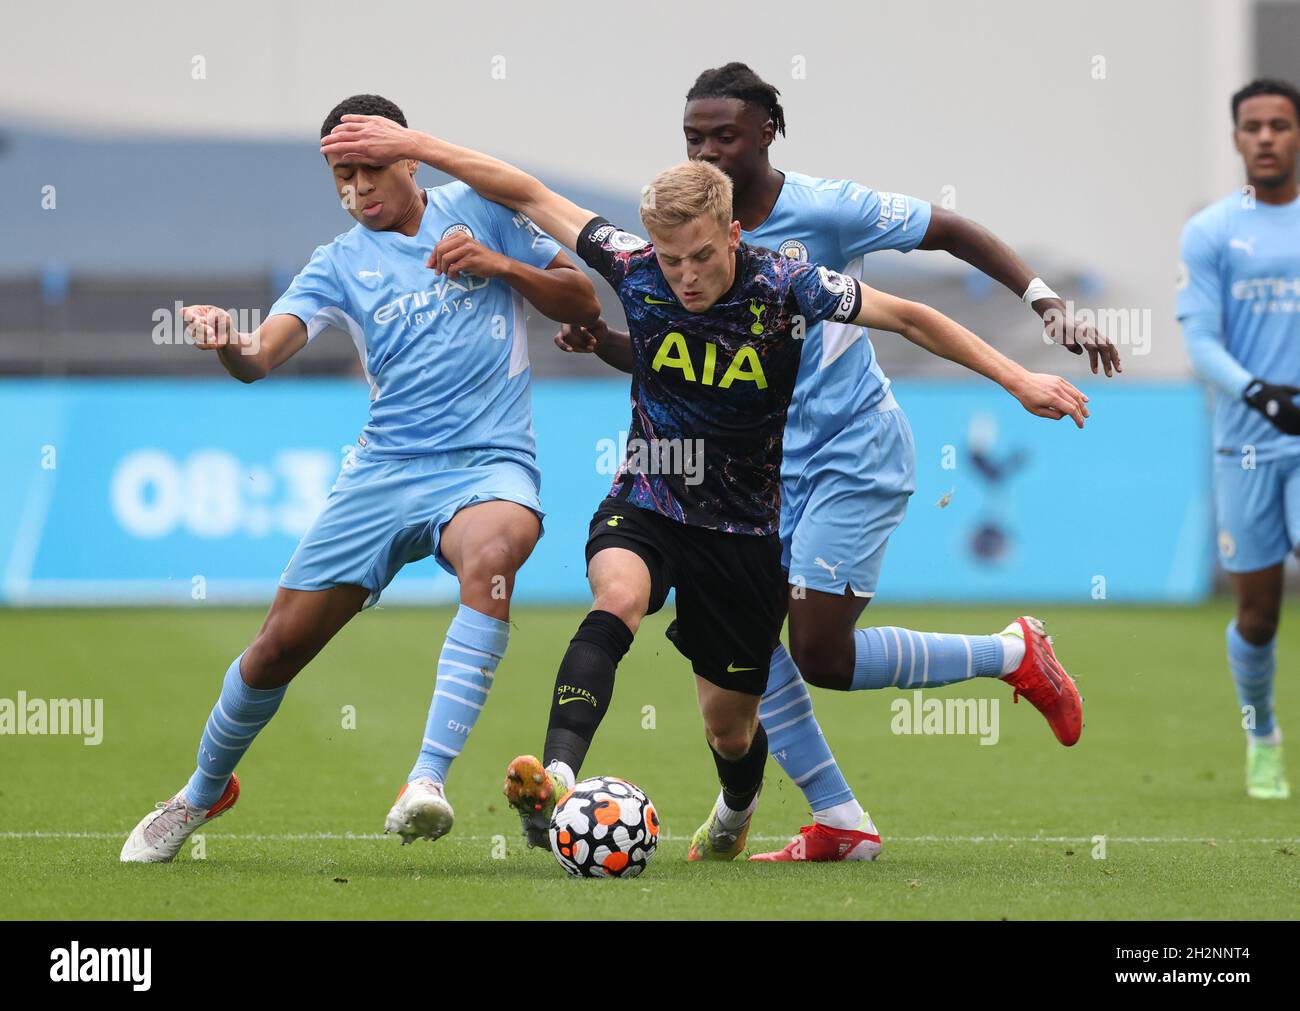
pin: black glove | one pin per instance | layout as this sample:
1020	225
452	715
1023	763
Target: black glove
1276	403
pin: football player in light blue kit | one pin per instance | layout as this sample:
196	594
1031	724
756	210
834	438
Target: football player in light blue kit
445	467
849	459
1239	304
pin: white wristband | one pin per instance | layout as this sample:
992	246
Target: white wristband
1036	290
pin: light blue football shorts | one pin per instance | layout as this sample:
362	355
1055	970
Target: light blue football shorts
1258	511
841	503
384	512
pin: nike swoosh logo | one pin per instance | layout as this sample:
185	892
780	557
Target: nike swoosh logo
655	301
576	698
733	669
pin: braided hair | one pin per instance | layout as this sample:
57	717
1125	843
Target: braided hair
736	80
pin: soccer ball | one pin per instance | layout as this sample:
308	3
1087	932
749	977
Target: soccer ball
604	828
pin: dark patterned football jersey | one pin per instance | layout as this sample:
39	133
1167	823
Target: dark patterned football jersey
710	390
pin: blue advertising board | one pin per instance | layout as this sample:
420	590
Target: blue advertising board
177	491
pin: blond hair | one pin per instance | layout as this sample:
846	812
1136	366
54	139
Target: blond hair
685	192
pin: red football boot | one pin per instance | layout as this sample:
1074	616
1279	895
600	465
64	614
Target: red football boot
822	844
1042	680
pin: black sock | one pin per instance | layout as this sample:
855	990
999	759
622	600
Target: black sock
584	687
742	778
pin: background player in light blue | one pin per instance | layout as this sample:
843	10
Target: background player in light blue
849	460
1239	304
430	285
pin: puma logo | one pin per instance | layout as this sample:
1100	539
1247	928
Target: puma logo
363	274
827	565
1245	245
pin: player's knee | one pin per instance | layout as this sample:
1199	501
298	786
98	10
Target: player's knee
732	743
623	602
1257	623
272	660
730	734
489	566
824	662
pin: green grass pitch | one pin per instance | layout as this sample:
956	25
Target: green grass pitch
970	830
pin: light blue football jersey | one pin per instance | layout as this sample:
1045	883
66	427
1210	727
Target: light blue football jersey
1240	277
447	360
835	222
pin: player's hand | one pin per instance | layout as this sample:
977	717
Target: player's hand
1050	397
583	339
208	327
372	140
1276	403
1075	337
459	254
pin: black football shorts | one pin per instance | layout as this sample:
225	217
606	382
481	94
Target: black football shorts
731	590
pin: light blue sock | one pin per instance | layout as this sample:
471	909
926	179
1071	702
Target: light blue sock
795	740
1253	668
899	658
240	713
474	646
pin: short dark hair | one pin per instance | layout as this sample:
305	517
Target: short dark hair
1267	86
362	105
736	80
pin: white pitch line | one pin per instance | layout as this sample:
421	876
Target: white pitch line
1086	840
373	837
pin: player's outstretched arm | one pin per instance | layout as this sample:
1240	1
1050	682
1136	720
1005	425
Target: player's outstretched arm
613	347
987	253
246	356
378	140
1044	395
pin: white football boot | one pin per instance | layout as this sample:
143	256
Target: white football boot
421	811
163	831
